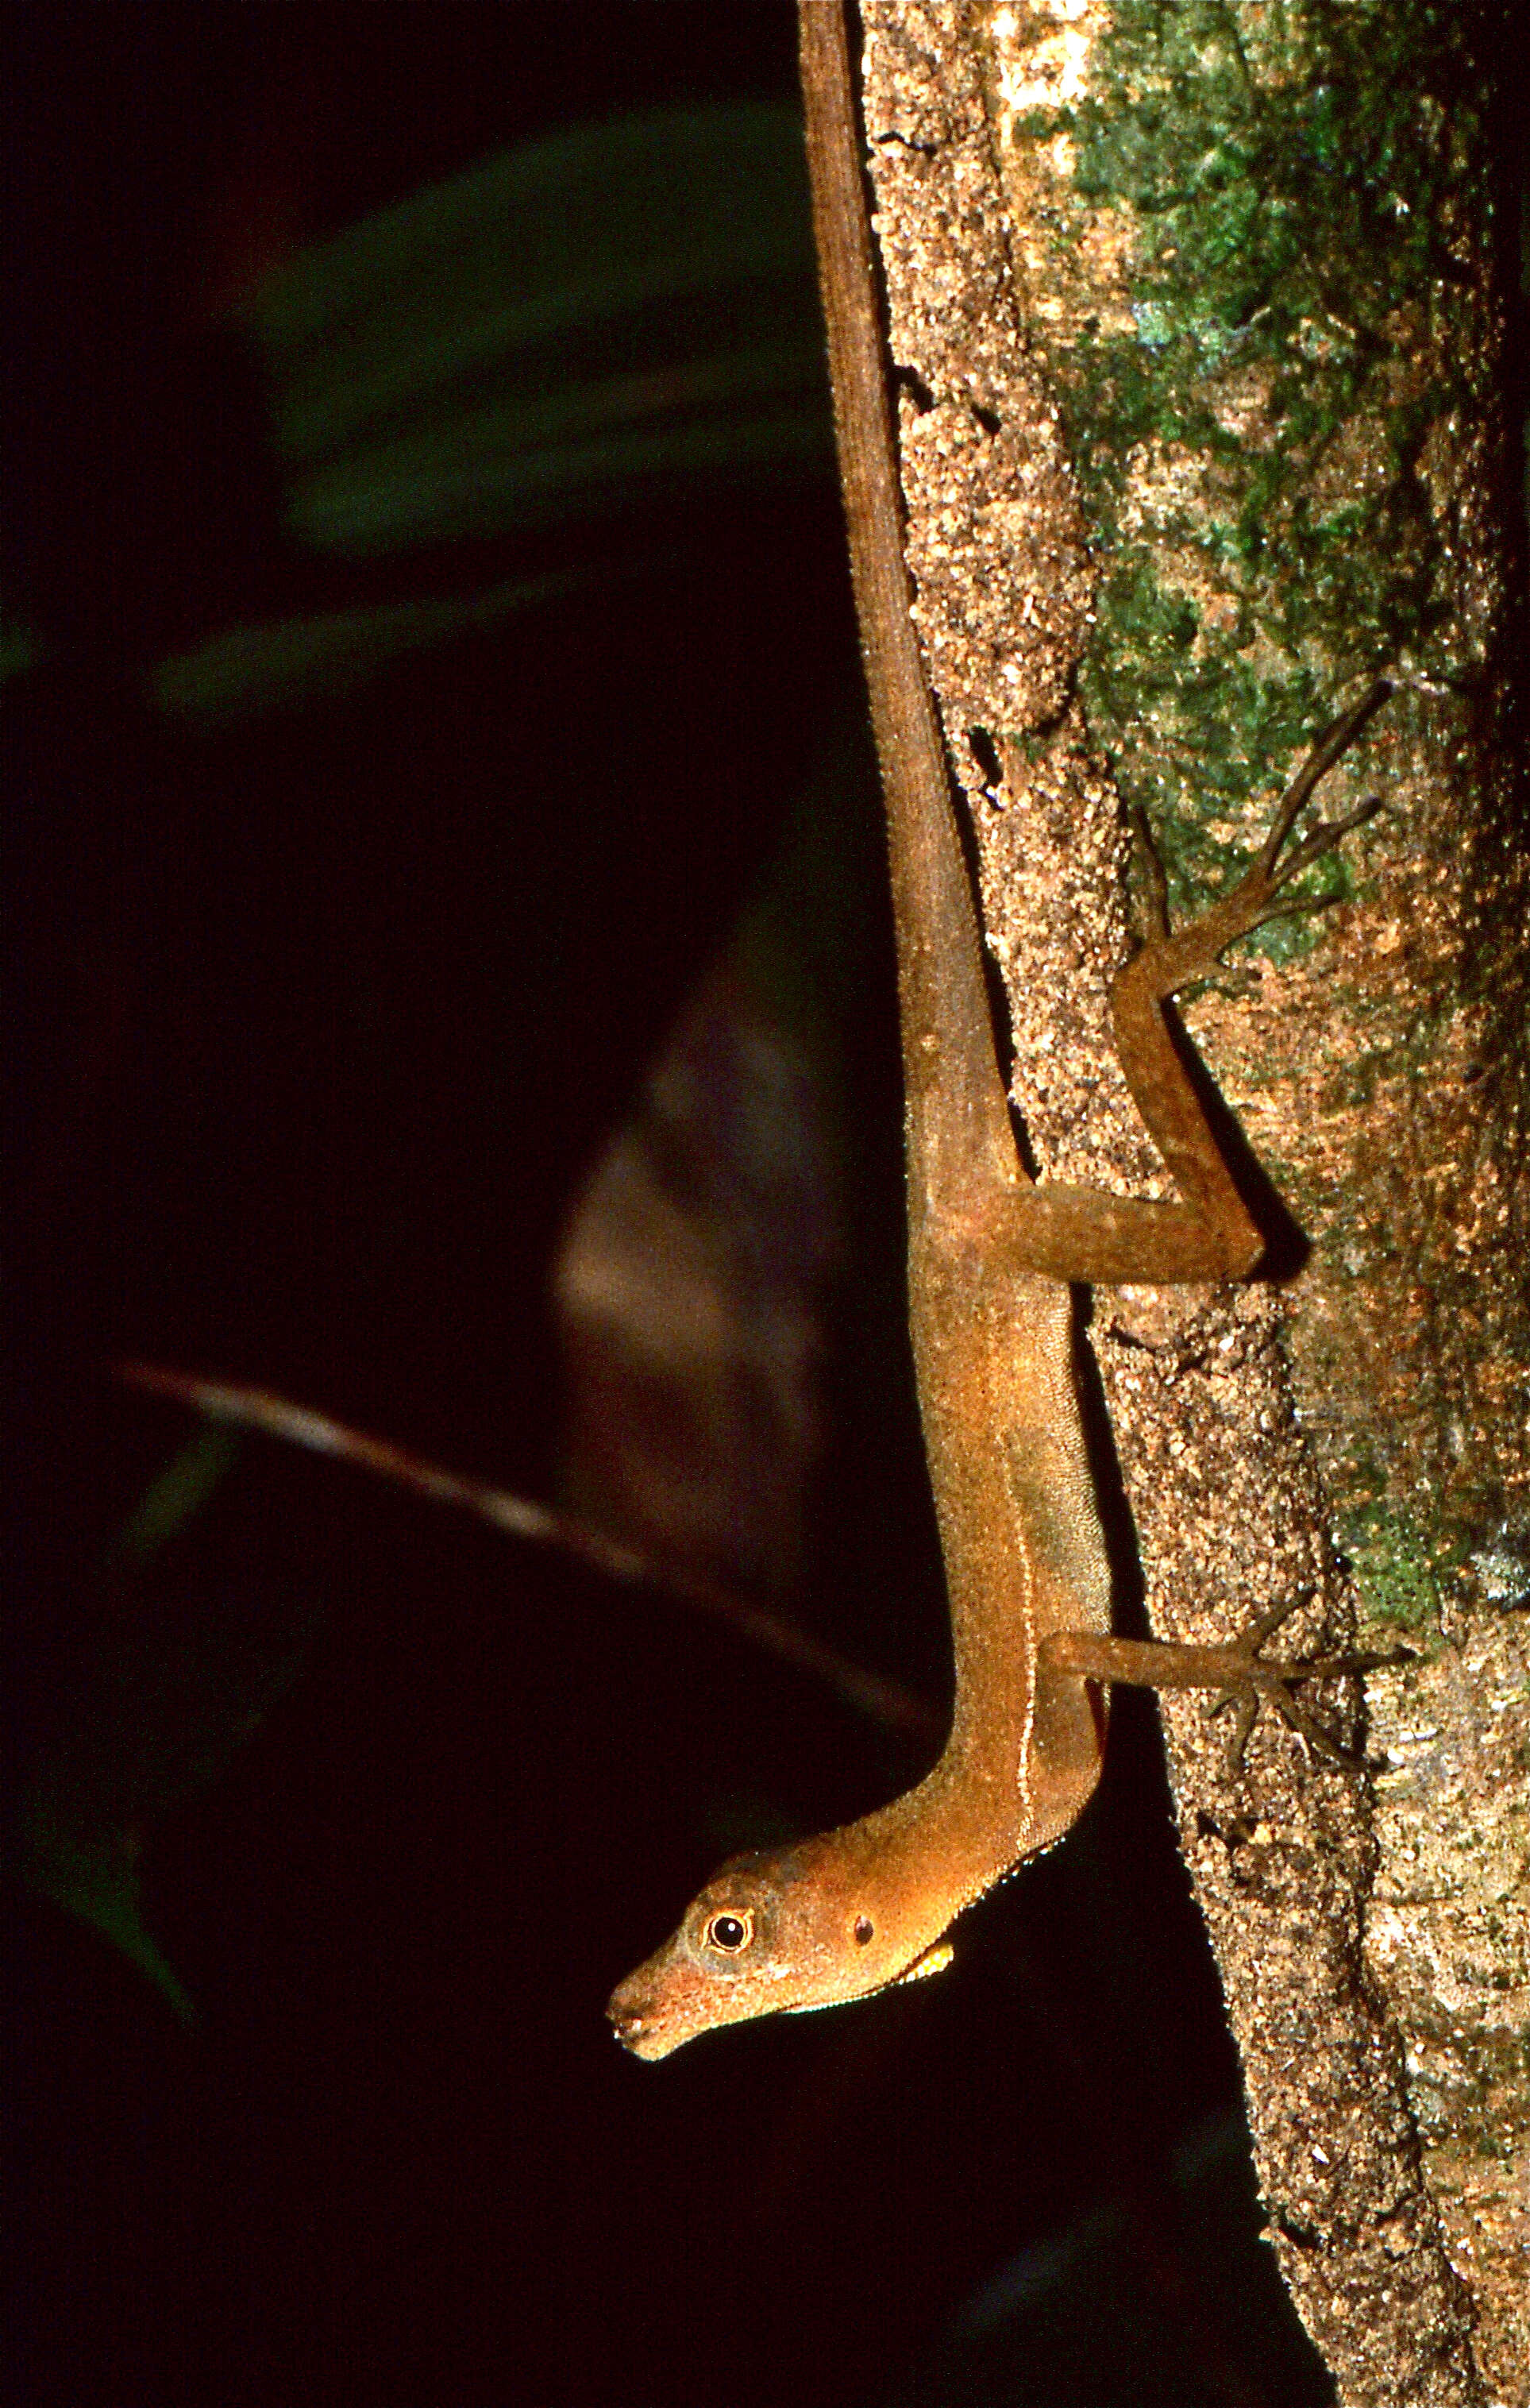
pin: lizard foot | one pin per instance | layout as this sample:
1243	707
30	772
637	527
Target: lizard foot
1237	1669
1169	960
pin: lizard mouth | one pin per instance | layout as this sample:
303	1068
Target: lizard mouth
639	2025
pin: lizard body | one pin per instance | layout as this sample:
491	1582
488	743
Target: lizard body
991	1257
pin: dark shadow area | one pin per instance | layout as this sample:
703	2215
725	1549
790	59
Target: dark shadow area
1286	1243
323	1009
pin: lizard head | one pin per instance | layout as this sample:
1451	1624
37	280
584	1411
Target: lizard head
775	1932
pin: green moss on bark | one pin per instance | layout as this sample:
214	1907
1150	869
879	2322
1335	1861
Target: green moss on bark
1283	188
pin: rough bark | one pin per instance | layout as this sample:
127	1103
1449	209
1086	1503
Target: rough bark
1195	315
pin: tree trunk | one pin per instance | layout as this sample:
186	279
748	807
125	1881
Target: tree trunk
1197	313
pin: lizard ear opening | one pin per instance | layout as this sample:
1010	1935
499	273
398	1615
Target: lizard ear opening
864	1930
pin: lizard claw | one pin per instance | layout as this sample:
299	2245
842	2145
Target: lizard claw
1274	1684
1169	962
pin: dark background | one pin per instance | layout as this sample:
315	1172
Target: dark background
317	1024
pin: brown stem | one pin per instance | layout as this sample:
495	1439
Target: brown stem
258	1409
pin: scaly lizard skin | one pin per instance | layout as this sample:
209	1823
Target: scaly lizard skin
991	1257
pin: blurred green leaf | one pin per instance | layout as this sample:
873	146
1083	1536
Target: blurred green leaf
94	1874
163	1693
285	663
179	1492
19	649
610	311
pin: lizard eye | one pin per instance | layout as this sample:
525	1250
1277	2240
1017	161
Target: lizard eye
864	1929
732	1933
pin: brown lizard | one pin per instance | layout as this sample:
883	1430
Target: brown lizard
991	1257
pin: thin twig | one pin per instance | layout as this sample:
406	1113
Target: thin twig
258	1409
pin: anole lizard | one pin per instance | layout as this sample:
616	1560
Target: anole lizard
991	1257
